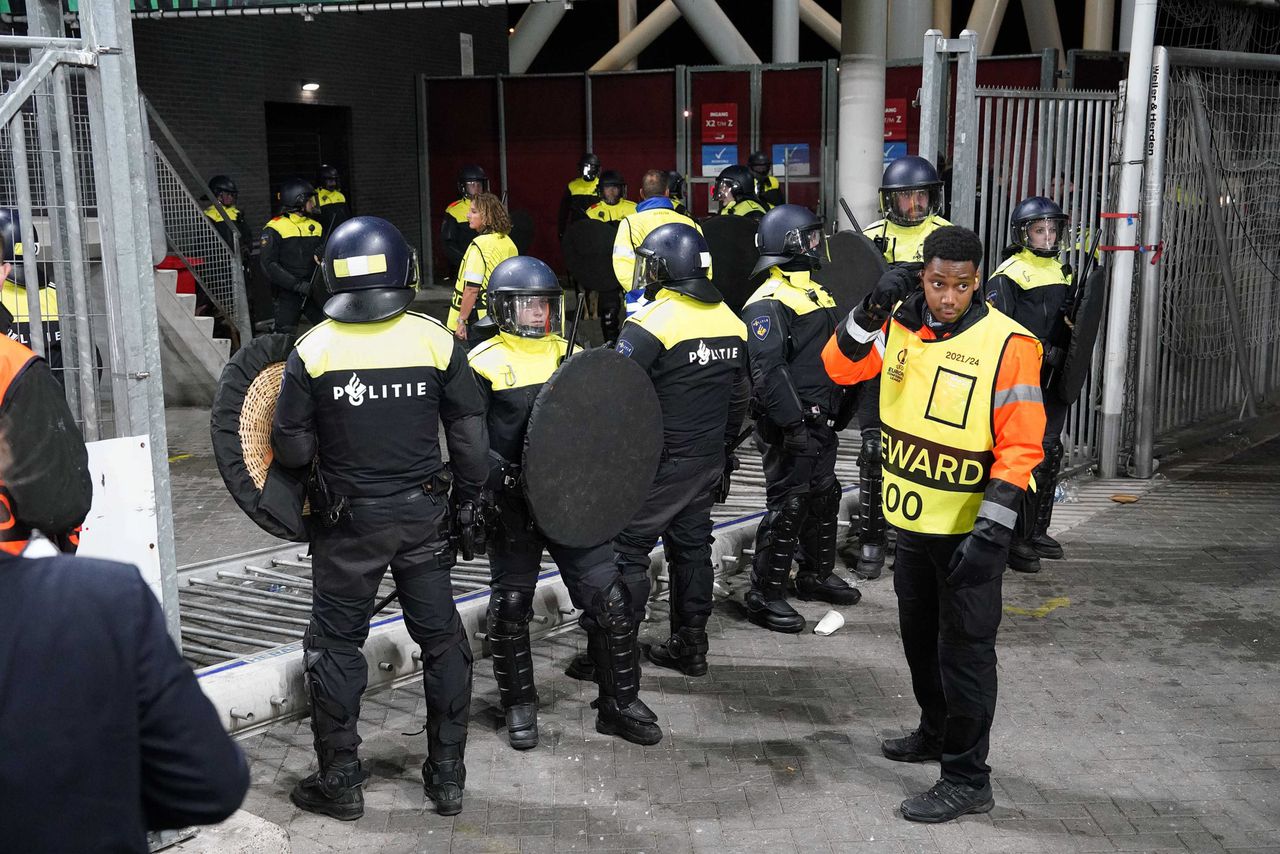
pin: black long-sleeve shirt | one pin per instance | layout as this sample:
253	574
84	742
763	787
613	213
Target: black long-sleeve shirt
290	245
104	732
368	399
695	353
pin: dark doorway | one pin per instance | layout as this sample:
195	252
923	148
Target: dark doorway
300	137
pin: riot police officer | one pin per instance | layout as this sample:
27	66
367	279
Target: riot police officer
910	198
693	348
455	232
524	301
655	209
580	193
224	189
382	499
676	189
291	245
768	191
14	294
1032	286
613	204
332	205
789	319
736	189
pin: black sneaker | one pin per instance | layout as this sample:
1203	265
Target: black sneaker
912	747
580	667
522	725
1047	548
443	782
947	801
1023	557
334	792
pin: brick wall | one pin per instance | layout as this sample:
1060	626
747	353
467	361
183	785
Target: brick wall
209	80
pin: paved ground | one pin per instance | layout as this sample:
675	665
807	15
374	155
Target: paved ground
1139	711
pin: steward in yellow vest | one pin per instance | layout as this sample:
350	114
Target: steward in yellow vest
962	422
489	219
1032	286
789	319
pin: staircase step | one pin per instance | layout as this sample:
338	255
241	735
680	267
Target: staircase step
188	301
205	324
224	346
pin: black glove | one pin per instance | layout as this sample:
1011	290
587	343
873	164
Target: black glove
795	440
302	286
895	285
731	464
976	560
1054	356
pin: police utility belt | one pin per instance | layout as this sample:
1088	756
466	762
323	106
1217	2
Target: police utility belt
331	509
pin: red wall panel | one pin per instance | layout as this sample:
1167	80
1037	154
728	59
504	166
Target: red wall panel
462	128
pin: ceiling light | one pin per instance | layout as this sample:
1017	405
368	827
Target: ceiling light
310	87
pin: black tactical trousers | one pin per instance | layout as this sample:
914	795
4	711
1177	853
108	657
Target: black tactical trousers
409	533
678	509
515	556
949	638
291	307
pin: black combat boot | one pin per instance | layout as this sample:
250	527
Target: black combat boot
580	667
1023	557
1046	546
615	654
508	632
335	790
444	776
776	540
871	525
816	578
686	649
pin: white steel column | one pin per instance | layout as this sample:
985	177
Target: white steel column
1099	16
985	20
1116	354
861	115
786	30
717	32
909	20
536	26
820	21
942	17
1042	25
626	23
643	35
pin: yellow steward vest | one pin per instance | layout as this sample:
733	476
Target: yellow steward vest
935	412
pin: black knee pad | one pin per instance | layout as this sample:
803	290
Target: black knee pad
785	522
611	607
869	455
509	612
825	502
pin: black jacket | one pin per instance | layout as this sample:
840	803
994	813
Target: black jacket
104	733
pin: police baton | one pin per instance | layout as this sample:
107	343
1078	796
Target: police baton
849	213
573	330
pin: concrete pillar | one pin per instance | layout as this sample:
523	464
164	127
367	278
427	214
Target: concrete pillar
1099	18
1042	25
908	22
985	19
786	30
536	26
942	17
820	21
626	23
1126	24
861	113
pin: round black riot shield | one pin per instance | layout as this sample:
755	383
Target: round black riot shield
1069	379
588	464
853	269
588	254
732	240
269	494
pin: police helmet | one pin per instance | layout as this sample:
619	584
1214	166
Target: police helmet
1024	230
789	233
329	173
612	178
589	166
370	269
469	173
293	194
675	184
675	256
525	297
759	163
223	184
738	180
902	179
11	234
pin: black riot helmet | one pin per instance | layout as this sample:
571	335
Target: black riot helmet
11	234
525	297
293	194
789	236
675	184
223	184
471	173
759	163
329	177
589	166
370	269
738	180
612	178
1040	225
903	179
675	256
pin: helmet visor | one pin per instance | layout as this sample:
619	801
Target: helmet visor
530	315
1046	235
650	270
911	206
808	240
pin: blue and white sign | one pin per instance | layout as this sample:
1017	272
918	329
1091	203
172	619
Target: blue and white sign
791	159
894	150
716	157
